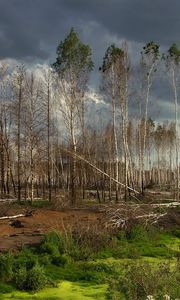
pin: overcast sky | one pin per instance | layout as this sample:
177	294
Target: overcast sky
33	28
30	30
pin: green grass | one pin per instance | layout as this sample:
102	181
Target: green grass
39	203
142	243
73	275
91	271
5	288
66	291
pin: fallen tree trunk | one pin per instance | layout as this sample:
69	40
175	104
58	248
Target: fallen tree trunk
171	204
7	200
97	169
27	214
13	217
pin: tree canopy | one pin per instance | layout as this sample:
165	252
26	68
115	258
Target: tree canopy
112	55
73	56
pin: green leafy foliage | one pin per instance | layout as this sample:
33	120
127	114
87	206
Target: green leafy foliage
73	55
149	59
20	278
151	49
5	288
139	242
39	203
59	260
174	53
69	257
52	244
25	259
36	278
175	232
6	266
112	56
31	280
142	279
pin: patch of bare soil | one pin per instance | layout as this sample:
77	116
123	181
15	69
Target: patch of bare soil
29	230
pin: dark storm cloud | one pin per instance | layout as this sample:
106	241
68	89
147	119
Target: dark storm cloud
139	20
28	27
31	29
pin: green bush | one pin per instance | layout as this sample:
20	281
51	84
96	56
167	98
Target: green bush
5	288
90	238
99	267
138	233
175	232
31	280
143	279
113	292
80	243
36	279
20	278
6	267
44	259
133	252
121	235
59	260
74	249
26	259
48	247
52	244
78	252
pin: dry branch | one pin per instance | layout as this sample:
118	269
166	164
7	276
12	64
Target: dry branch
171	204
120	216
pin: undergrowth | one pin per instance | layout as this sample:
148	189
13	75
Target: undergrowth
142	280
78	255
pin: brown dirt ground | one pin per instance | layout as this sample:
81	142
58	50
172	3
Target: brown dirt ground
51	218
42	221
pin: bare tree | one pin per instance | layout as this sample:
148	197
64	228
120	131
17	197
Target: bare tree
149	59
110	87
33	125
18	88
173	66
72	66
47	103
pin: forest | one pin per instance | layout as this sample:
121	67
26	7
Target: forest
89	201
48	144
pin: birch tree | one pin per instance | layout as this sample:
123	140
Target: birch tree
47	101
34	126
19	90
115	68
110	85
73	65
3	125
149	59
172	59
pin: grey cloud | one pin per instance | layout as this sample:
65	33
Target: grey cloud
139	20
30	30
33	28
